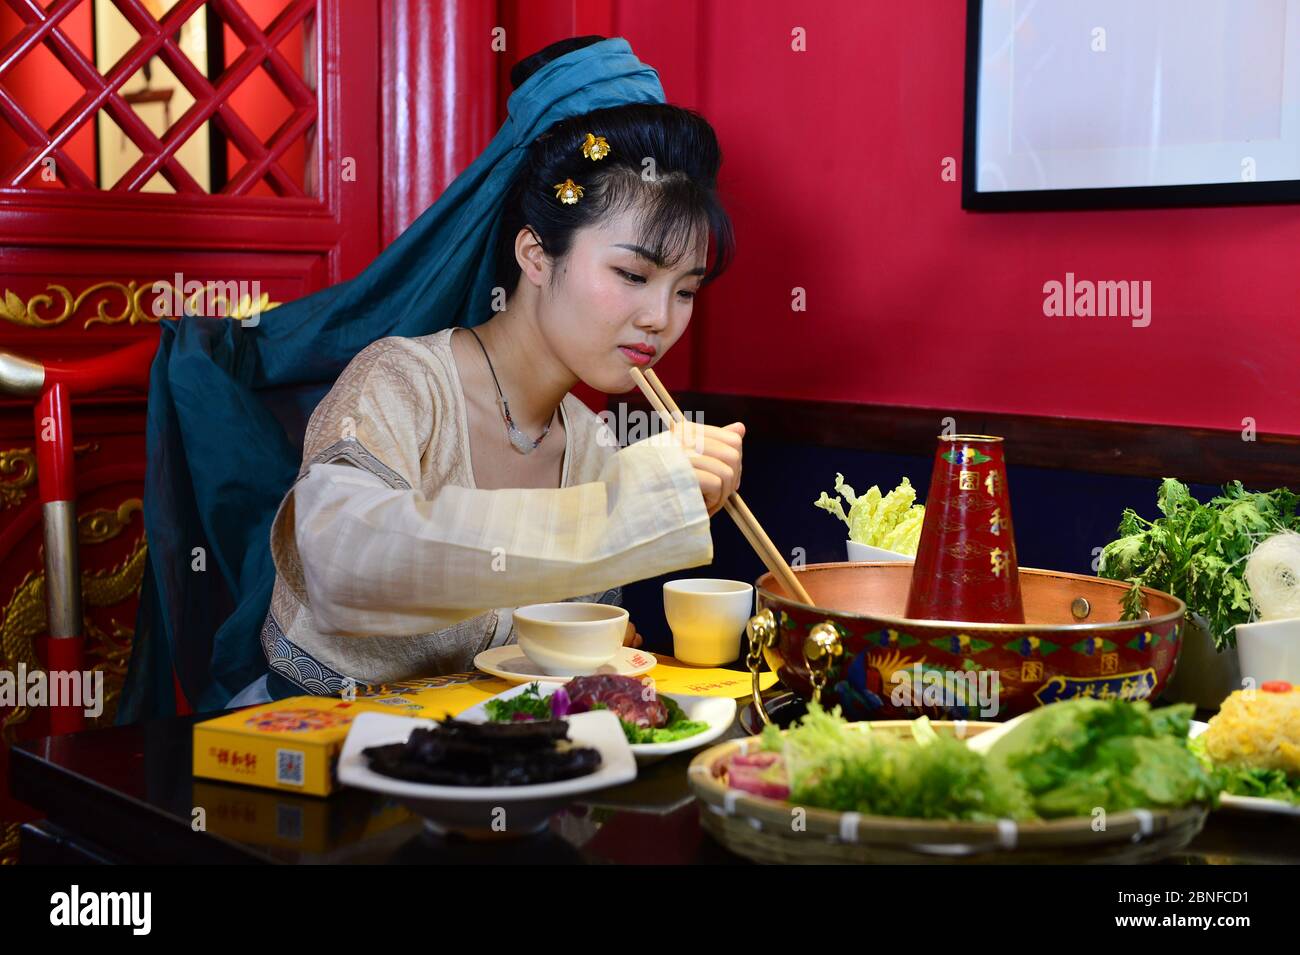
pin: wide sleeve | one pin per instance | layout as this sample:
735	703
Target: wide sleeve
380	560
376	556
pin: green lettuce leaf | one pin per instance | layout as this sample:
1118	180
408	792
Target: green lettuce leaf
1263	783
677	727
1080	755
834	765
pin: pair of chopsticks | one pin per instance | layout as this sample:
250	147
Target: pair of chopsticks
663	403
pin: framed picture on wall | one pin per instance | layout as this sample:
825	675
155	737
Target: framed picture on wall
1115	103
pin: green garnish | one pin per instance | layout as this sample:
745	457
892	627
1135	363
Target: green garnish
1263	783
677	727
533	705
529	703
1198	552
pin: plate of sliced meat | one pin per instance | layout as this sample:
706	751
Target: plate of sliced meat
656	725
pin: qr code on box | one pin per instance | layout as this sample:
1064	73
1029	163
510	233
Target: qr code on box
289	766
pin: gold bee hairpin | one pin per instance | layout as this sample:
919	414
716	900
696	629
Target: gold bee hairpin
594	148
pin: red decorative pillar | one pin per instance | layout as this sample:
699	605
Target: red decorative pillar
65	649
438	100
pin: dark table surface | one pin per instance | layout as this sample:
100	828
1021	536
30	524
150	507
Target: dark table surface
127	794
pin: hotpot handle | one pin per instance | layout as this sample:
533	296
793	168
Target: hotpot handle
762	635
820	649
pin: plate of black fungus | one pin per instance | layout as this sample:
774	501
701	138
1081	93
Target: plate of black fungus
489	778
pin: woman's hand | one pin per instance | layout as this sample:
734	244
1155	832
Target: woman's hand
631	638
715	454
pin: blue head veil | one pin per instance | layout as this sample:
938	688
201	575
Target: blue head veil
228	404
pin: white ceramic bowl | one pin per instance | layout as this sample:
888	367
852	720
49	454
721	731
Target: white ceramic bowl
1270	650
867	552
570	638
707	616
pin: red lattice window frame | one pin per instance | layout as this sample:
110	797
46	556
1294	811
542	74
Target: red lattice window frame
41	27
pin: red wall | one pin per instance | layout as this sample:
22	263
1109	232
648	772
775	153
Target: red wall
832	172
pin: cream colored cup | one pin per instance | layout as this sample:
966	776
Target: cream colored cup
570	638
1269	650
707	616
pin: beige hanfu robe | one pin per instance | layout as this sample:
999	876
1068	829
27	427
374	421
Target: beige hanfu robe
391	565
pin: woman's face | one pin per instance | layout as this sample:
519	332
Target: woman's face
610	308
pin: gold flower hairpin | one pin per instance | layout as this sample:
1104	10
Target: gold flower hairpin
568	192
594	148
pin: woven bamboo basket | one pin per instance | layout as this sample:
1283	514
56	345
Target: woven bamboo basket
776	831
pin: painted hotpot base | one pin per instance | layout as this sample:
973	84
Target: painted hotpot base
855	649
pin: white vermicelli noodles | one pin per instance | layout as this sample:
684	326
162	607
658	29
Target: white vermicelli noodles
1273	576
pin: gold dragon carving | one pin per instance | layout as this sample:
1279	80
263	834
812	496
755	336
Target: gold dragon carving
41	311
24	615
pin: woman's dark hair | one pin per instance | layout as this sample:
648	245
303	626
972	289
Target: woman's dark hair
663	162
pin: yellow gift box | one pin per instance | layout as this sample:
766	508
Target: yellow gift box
291	744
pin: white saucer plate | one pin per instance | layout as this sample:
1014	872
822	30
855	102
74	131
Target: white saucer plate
509	663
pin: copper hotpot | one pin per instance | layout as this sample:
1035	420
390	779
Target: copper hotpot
853	647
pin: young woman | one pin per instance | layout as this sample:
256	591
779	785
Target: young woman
447	478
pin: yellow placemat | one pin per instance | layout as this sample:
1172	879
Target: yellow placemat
673	676
437	696
455	693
